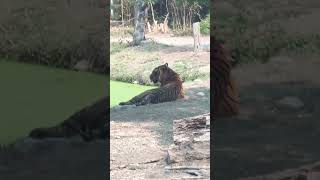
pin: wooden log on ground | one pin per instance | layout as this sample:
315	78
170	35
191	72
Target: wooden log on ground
190	153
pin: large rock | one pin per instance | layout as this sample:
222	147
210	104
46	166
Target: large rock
190	153
291	102
82	65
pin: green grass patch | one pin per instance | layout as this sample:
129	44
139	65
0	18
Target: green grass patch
205	25
120	91
36	96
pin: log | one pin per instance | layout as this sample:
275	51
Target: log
191	148
194	129
196	36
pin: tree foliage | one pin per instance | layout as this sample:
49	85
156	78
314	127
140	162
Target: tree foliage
181	13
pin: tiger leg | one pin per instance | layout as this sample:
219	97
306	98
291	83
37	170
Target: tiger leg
125	103
146	100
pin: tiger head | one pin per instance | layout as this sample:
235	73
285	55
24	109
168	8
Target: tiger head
162	73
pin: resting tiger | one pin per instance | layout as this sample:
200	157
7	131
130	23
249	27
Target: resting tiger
170	88
89	123
225	93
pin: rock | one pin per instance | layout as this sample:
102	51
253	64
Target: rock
135	82
291	102
134	167
200	94
82	65
198	80
280	59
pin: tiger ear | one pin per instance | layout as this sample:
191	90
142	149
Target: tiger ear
166	64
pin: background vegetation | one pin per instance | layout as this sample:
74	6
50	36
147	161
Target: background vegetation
54	33
254	31
181	13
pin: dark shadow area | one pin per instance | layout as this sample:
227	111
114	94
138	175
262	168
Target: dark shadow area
54	159
277	129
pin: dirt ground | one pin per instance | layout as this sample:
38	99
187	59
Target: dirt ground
140	136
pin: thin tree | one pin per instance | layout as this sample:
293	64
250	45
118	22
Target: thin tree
139	24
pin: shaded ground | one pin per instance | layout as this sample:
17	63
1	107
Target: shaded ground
55	159
268	136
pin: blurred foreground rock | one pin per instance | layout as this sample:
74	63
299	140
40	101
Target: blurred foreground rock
189	156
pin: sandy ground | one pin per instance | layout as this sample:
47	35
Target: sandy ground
170	40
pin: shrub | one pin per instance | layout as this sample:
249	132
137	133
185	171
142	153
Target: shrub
53	33
205	25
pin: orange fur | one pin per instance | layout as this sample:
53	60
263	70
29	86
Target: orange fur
226	96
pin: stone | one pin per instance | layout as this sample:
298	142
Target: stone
200	94
280	59
291	102
82	65
134	167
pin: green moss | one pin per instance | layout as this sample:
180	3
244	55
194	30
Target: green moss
35	96
120	91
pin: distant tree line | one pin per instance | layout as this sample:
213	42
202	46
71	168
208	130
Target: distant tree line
180	14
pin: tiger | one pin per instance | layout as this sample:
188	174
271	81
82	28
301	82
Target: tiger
90	123
170	88
225	93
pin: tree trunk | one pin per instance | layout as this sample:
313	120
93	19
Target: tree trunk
184	16
139	24
165	24
122	22
196	36
155	23
111	4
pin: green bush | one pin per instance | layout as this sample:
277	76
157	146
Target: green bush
51	33
205	25
251	39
